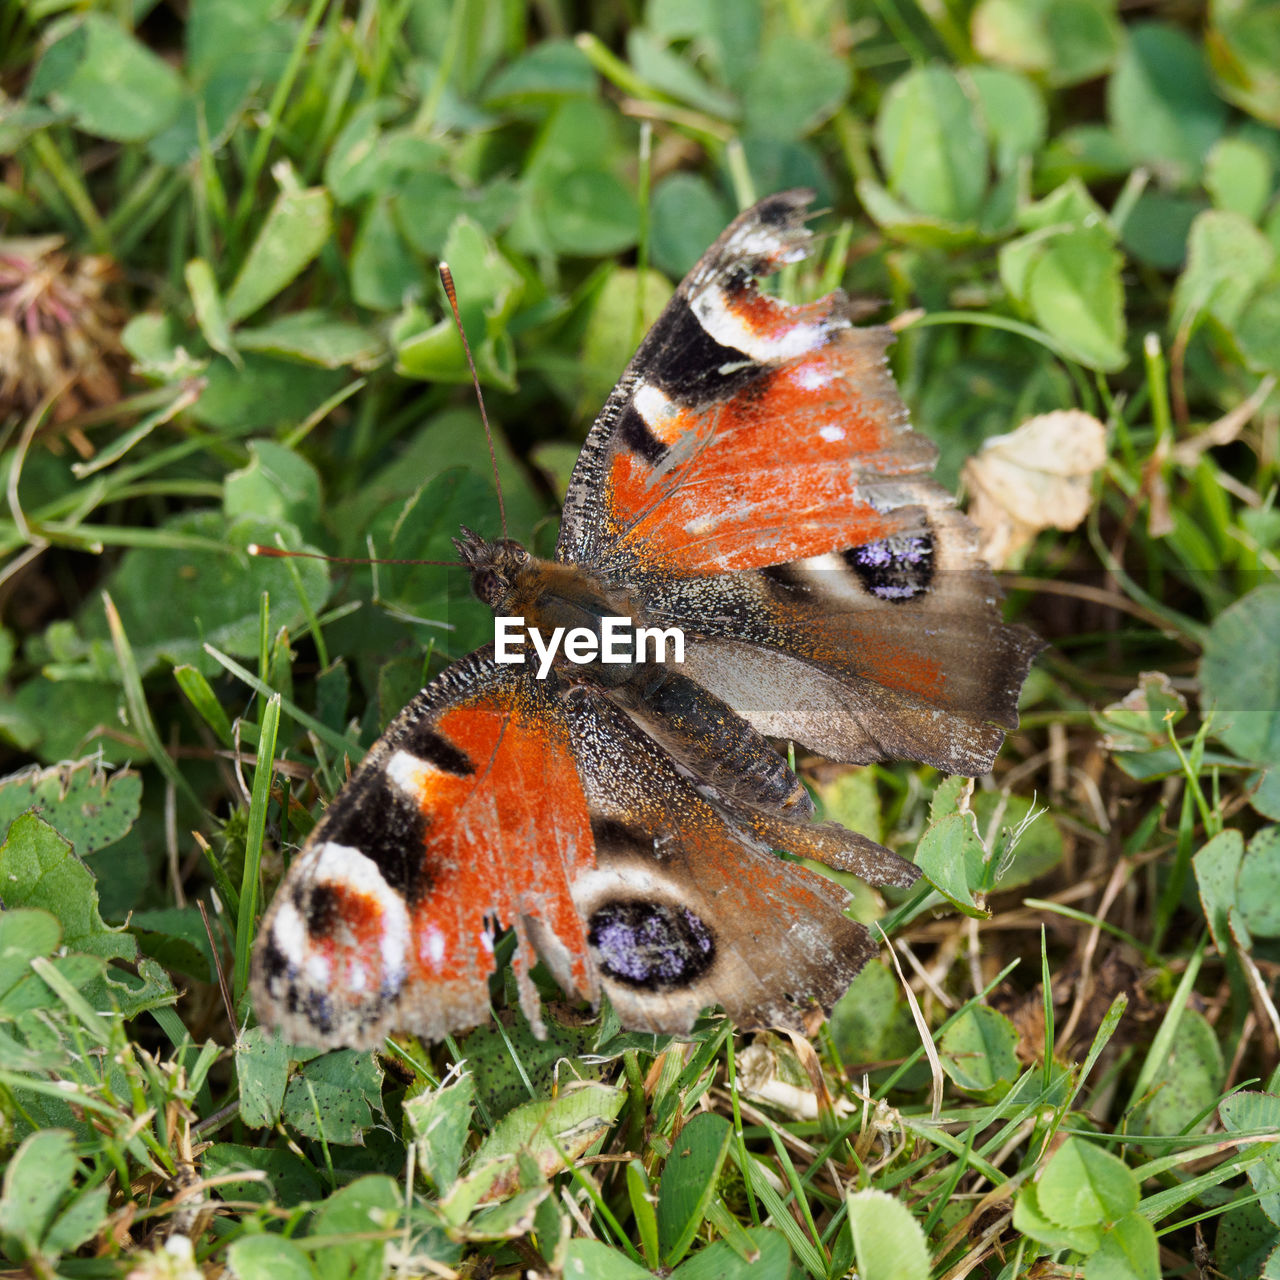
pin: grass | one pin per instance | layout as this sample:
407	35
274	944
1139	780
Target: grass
1066	1062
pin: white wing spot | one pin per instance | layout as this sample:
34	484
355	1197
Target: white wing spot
652	405
289	934
344	865
410	775
779	343
433	946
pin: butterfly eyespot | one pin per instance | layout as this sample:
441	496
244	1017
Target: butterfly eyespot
652	945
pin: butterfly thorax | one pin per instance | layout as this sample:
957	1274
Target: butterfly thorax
546	594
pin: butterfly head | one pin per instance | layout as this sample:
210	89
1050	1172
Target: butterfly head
494	566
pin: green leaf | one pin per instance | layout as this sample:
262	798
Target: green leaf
1140	721
1258	885
1037	848
1251	1112
770	1259
729	30
1084	1185
89	806
626	306
209	596
1129	1251
795	86
909	226
1240	679
440	1121
1013	112
276	484
233	47
335	1095
1227	258
1156	229
24	935
488	289
211	314
316	337
979	1051
37	1178
263	394
369	1207
888	1243
1243	40
383	271
1188	1082
1245	1241
423	529
1266	794
544	71
1217	867
38	869
1066	40
676	76
292	234
870	1022
946	853
544	1132
79	1222
592	1260
118	89
428	204
290	1180
1258	330
592	213
364	160
176	938
1032	1221
687	214
269	1257
1075	294
1239	177
1161	100
930	145
689	1182
262	1072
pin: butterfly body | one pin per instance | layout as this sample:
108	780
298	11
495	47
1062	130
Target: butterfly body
752	483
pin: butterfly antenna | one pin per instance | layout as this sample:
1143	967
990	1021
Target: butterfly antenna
446	279
281	553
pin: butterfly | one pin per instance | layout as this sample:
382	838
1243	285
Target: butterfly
752	482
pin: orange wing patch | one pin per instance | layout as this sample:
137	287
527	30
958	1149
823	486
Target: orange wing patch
503	844
782	469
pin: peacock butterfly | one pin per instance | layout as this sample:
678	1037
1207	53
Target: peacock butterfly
752	483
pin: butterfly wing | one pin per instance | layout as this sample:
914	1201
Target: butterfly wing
466	815
754	480
496	800
744	432
687	909
891	650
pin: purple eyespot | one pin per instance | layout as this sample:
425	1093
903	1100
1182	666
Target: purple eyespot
651	944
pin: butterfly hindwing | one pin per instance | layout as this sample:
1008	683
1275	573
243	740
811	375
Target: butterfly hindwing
497	801
891	650
687	909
